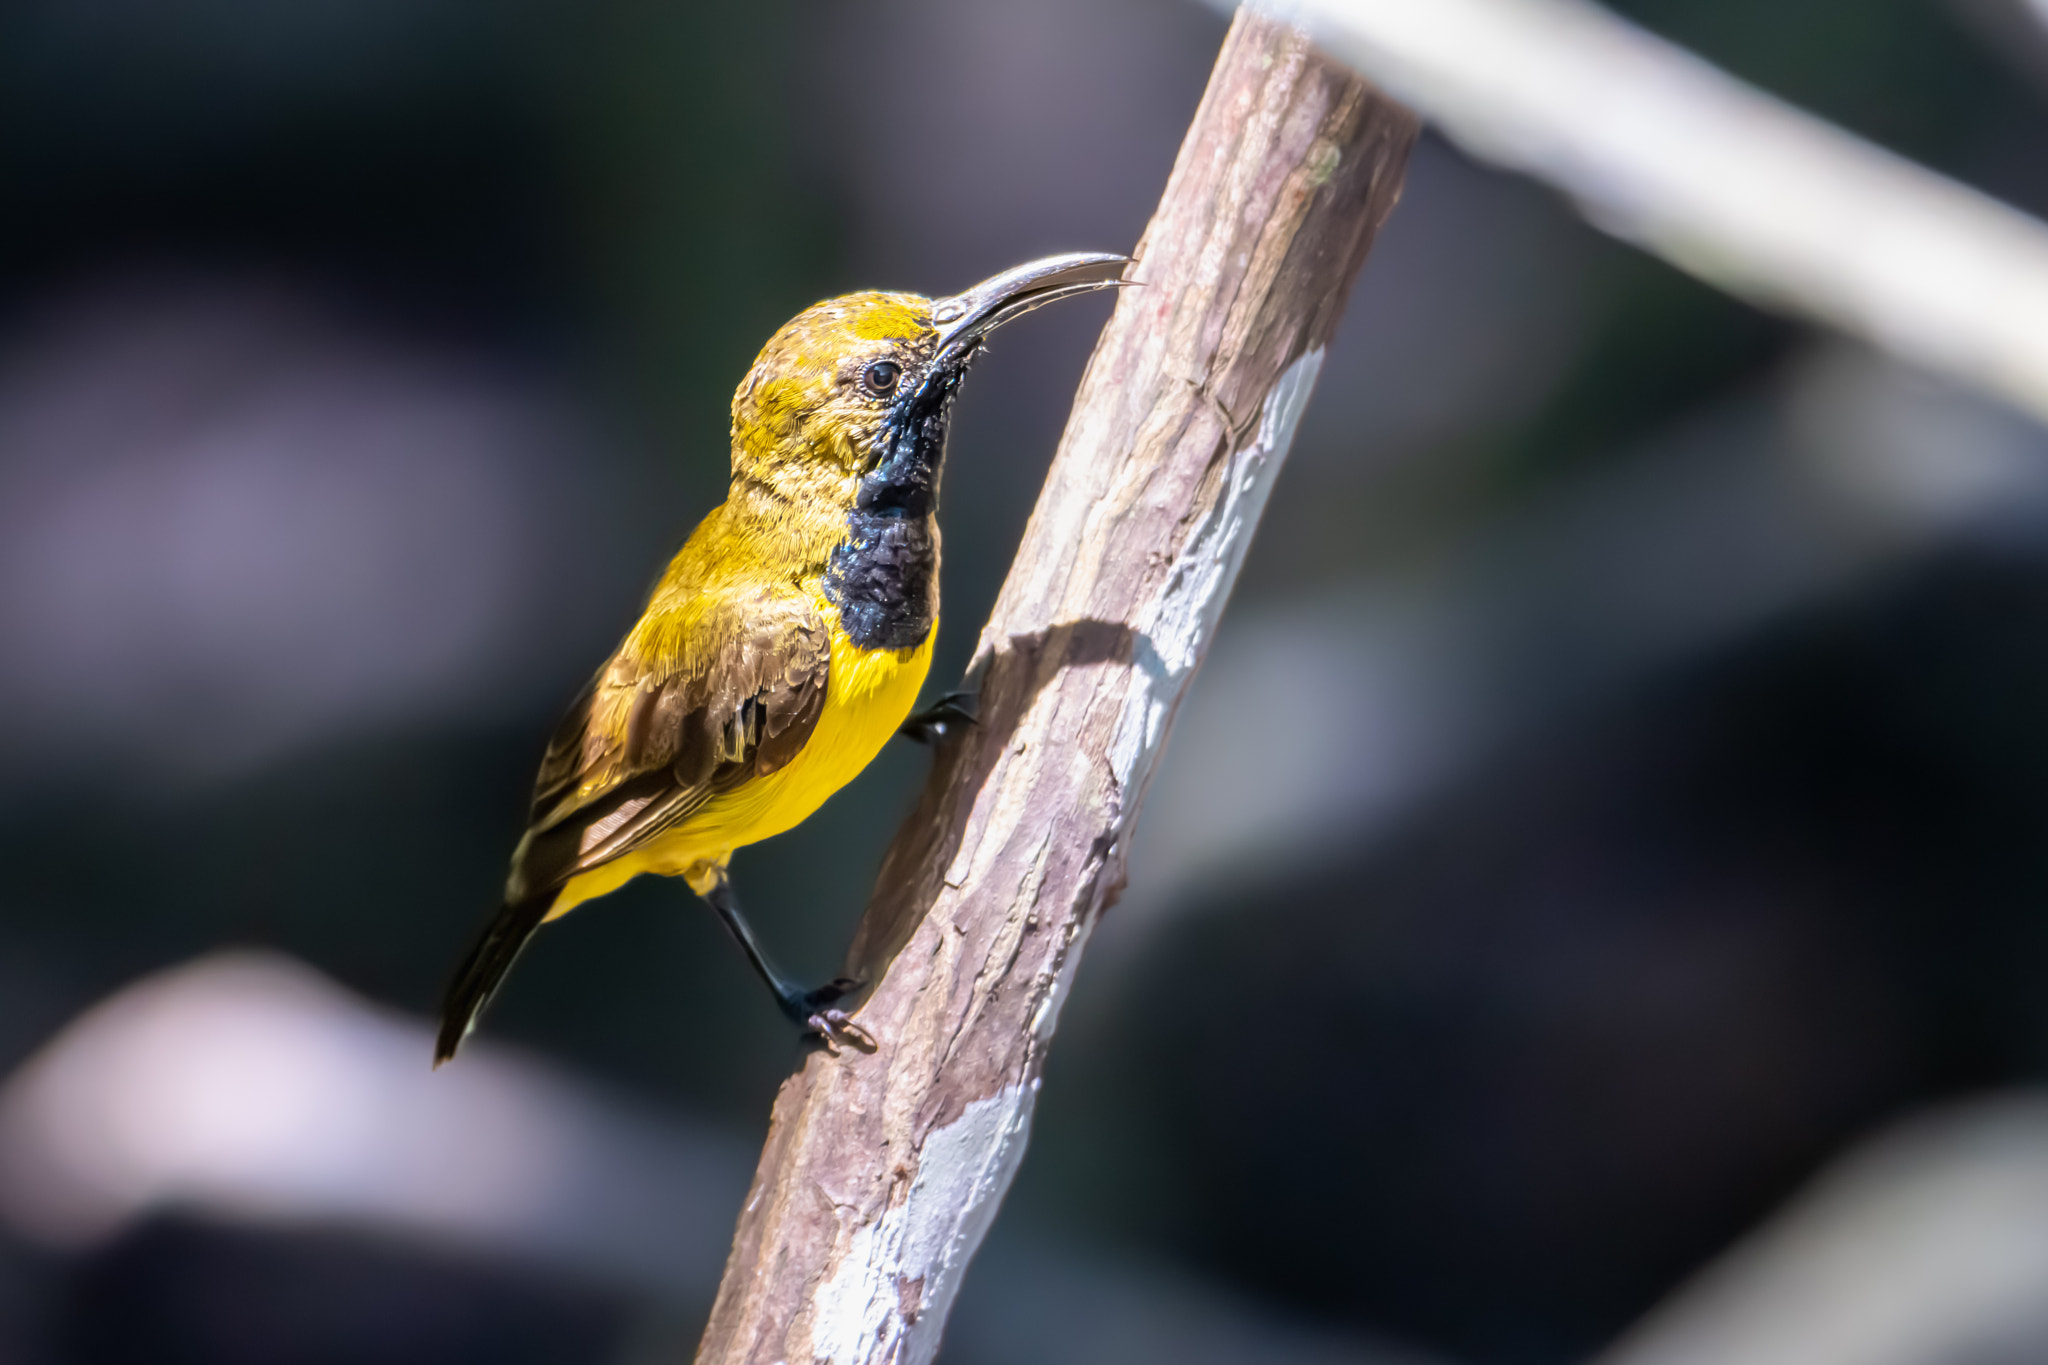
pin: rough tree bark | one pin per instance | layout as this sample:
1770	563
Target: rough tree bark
882	1171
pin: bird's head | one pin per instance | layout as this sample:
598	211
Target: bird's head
851	398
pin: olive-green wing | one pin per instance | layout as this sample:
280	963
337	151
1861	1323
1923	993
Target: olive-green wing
649	741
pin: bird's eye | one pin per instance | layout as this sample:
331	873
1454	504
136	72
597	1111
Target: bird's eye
880	378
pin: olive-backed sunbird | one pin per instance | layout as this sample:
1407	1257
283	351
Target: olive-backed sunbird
788	638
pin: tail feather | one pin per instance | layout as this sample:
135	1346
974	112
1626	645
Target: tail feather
483	971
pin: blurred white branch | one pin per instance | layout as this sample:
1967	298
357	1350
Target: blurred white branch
249	1088
1741	189
1928	1244
245	1089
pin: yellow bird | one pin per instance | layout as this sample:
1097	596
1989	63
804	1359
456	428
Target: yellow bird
786	642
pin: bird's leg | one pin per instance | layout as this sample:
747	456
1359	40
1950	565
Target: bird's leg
930	725
812	1010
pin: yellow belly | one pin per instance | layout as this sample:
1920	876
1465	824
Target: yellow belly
868	693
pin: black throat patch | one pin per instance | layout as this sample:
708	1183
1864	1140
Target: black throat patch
884	577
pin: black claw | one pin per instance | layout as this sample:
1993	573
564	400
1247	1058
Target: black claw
931	725
835	1030
809	1010
813	1011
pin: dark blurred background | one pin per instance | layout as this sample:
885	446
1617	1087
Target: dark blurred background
1614	795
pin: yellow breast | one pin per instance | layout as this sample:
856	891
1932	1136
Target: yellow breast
868	693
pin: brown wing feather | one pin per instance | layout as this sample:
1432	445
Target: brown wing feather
563	761
657	738
648	742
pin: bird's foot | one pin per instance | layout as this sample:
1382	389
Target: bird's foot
833	1027
936	721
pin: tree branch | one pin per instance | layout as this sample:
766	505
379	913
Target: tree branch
882	1172
1730	184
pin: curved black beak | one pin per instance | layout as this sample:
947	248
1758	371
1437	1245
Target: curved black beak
966	318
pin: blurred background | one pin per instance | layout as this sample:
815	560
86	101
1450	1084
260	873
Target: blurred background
1635	951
